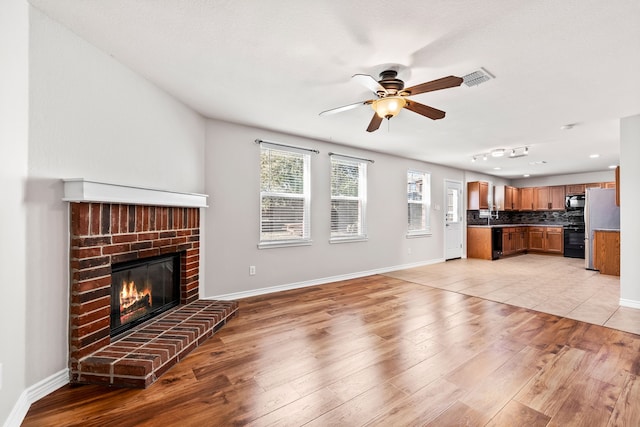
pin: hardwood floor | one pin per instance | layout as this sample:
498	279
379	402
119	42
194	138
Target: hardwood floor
379	351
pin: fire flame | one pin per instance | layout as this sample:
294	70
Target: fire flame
129	295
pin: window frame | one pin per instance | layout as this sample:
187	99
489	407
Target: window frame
425	203
335	237
305	196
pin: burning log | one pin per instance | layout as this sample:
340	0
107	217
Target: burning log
140	304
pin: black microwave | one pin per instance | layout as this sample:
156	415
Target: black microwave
574	202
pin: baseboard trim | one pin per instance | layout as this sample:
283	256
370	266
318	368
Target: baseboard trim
629	303
33	394
321	281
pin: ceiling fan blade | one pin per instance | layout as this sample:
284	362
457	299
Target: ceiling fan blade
424	110
375	123
369	82
443	83
345	107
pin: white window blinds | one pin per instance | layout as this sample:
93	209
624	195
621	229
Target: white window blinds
419	202
284	196
348	198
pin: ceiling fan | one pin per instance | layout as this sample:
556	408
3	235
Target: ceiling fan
392	97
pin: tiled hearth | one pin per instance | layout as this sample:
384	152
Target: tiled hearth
105	233
138	359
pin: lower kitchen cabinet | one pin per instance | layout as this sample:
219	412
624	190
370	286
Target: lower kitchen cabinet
514	240
546	239
606	252
479	243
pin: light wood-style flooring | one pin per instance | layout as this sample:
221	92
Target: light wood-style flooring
385	351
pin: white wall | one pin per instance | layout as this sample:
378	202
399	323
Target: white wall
232	181
574	178
89	117
14	71
629	208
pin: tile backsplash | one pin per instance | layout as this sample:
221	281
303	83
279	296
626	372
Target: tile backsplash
527	217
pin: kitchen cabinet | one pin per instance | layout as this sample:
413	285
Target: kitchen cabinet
549	198
608	185
522	239
477	195
606	252
546	239
514	240
507	243
593	185
526	199
541	198
479	243
506	198
575	189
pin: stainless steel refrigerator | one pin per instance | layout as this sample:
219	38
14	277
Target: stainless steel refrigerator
600	213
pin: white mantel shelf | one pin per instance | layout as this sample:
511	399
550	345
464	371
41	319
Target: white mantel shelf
82	190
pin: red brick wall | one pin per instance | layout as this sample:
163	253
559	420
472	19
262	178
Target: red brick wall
103	234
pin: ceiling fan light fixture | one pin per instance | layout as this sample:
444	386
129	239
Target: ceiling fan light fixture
389	106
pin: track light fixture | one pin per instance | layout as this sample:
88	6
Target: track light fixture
501	152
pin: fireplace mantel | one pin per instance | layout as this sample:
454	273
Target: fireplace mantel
82	190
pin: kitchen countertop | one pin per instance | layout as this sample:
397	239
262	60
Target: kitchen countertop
607	229
516	225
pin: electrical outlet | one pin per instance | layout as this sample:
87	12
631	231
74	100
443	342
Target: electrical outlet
252	270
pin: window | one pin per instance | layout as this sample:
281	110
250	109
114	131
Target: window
284	196
419	202
348	198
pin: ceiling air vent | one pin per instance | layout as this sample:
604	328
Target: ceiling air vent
477	77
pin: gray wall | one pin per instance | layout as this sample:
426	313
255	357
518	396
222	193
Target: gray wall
629	208
232	182
14	122
87	117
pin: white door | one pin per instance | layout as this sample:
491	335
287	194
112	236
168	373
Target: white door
453	219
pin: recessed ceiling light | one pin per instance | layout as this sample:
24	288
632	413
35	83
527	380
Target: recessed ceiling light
568	126
498	152
497	168
539	162
526	175
594	156
613	166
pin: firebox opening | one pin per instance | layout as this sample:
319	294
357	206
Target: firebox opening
142	289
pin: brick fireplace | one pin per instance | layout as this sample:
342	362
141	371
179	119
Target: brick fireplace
103	233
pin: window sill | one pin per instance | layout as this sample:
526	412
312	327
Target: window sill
284	244
348	239
418	234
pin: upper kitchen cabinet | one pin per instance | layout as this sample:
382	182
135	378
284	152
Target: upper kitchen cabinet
580	188
506	198
594	185
575	189
526	199
477	195
549	198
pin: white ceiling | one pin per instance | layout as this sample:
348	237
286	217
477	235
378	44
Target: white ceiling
276	64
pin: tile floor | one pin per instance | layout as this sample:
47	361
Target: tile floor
551	284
